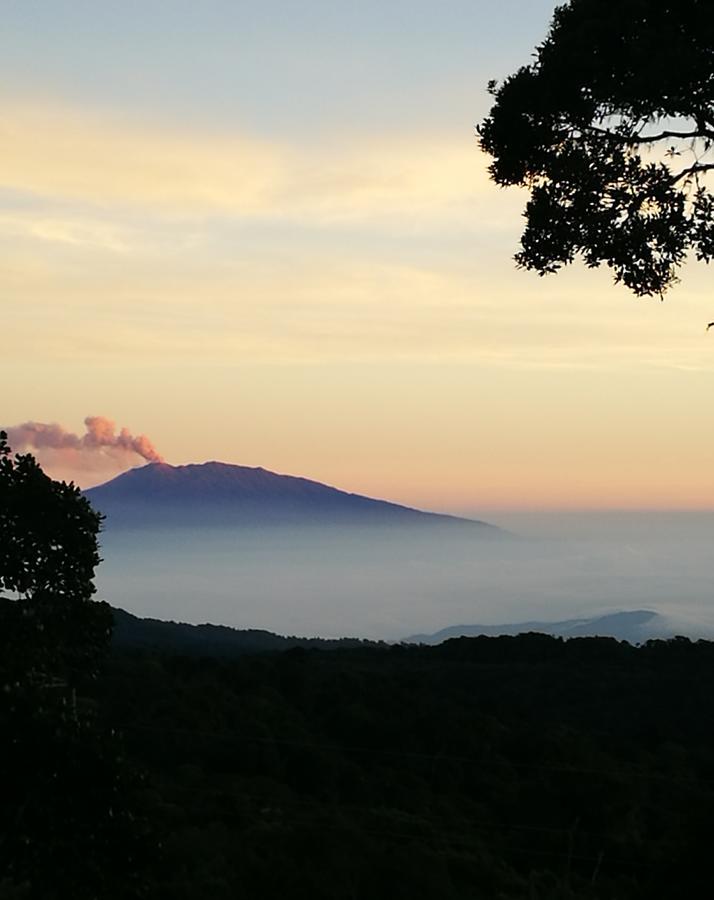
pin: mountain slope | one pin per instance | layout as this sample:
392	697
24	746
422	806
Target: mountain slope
137	633
221	494
632	625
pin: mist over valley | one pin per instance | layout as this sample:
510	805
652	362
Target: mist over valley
251	549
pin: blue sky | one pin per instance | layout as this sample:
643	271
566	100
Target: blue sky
273	65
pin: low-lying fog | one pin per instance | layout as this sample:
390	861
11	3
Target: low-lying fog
390	585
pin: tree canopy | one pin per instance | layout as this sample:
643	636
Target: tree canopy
48	553
66	827
610	128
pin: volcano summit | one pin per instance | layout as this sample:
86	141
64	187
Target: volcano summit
221	495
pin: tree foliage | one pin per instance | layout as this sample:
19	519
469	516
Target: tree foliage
483	768
610	129
48	553
67	831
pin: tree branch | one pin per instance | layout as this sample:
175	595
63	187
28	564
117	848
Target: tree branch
706	117
696	169
653	138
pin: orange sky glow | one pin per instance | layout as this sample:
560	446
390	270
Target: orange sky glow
336	301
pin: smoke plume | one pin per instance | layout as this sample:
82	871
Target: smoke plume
100	438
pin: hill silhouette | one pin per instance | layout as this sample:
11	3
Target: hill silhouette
145	633
220	494
137	633
629	625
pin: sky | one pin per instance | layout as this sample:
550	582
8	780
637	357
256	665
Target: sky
265	234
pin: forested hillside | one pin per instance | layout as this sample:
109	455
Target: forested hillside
134	633
512	767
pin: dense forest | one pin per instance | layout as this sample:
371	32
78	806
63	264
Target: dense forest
510	767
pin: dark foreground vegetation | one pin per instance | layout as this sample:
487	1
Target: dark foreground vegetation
186	764
507	767
525	767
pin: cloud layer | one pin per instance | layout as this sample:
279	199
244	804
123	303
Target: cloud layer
71	156
345	306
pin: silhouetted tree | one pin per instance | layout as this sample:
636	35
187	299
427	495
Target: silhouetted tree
610	130
66	830
48	553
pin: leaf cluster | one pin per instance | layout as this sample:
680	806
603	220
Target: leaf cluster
48	553
610	129
484	768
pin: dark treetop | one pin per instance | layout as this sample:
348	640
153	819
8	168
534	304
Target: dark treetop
610	129
48	553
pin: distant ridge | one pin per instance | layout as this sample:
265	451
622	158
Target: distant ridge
221	494
134	632
633	626
137	633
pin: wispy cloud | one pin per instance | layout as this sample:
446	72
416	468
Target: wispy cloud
62	153
79	232
65	154
317	308
139	243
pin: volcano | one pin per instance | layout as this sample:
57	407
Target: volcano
218	494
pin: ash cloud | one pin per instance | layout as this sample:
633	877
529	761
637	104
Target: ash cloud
99	439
